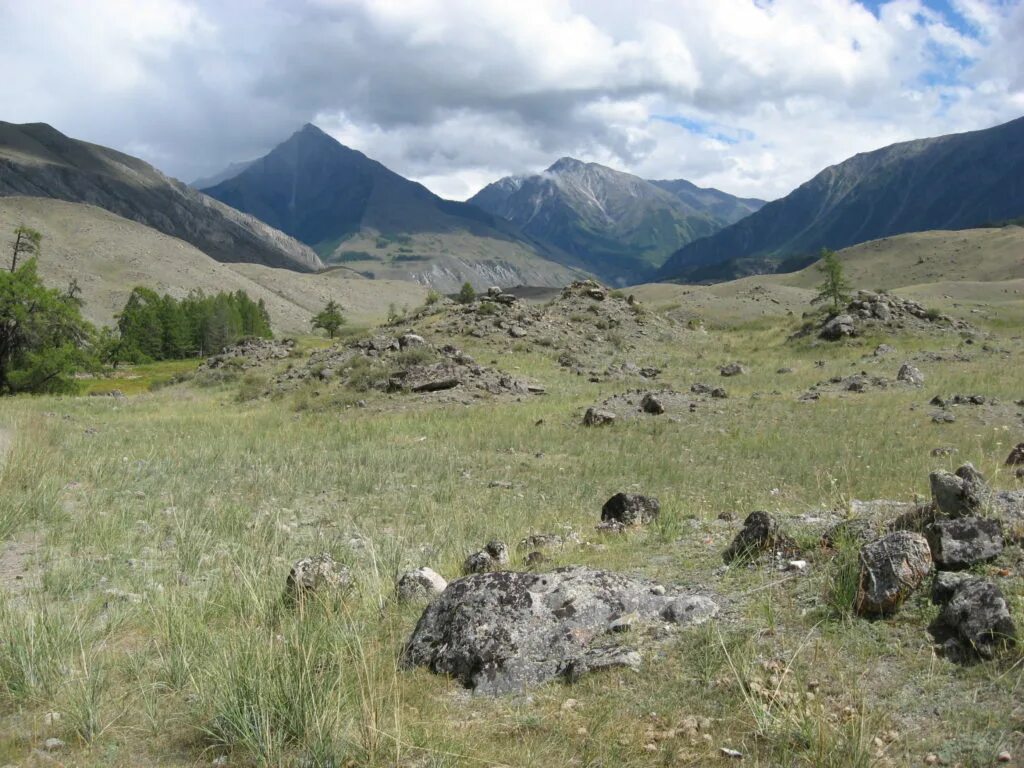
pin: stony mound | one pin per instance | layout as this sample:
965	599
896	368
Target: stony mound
250	353
871	312
407	364
590	329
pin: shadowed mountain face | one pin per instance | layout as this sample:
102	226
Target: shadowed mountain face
352	209
620	226
39	161
950	182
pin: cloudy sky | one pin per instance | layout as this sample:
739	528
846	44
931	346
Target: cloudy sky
751	96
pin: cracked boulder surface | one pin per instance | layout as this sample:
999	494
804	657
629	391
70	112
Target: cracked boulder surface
503	632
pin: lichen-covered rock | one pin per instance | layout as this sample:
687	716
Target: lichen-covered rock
492	556
908	374
422	583
838	327
891	568
964	541
760	533
319	573
595	417
975	621
502	632
630	509
961	494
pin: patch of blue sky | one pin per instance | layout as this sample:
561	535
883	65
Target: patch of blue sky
946	10
698	127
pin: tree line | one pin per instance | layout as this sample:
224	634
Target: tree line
45	340
153	327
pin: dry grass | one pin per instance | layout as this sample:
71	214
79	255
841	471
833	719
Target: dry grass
157	627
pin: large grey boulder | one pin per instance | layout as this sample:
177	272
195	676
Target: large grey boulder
975	620
630	509
891	568
964	541
502	632
961	494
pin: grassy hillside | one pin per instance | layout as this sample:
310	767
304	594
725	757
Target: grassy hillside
109	255
955	271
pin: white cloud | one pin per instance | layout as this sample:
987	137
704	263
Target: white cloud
457	92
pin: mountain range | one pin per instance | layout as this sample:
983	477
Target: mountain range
949	182
621	227
351	209
37	160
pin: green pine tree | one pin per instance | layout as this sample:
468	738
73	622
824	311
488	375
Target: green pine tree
835	288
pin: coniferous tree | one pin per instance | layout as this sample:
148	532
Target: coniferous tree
835	288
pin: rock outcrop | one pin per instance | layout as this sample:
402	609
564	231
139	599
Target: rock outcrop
503	632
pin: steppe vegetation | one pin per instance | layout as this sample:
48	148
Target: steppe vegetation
146	540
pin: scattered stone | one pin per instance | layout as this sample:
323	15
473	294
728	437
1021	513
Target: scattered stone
964	541
908	374
651	404
1004	757
838	327
734	754
547	541
960	494
700	389
407	340
784	370
418	584
943	417
975	621
944	451
250	353
890	569
719	393
595	417
760	533
492	556
630	509
314	574
732	369
1016	457
51	718
883	349
502	632
53	744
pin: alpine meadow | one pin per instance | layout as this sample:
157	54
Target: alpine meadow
557	384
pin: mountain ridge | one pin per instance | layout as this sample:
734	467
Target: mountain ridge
912	186
352	209
619	225
37	160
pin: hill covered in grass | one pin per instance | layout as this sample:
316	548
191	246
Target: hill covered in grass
109	255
